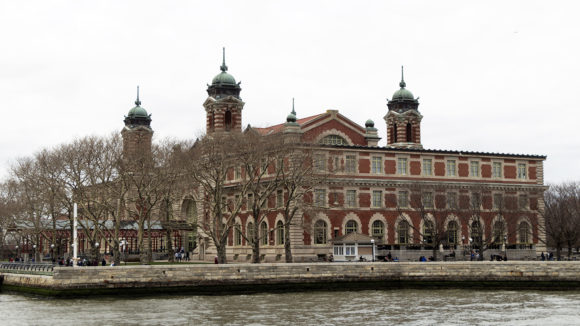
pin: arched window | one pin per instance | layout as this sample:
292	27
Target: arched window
189	210
351	227
394	133
409	133
250	233
428	232
320	235
498	232
333	140
403	232
237	235
280	233
452	233
264	233
228	120
378	230
524	232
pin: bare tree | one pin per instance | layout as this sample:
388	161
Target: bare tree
209	162
562	216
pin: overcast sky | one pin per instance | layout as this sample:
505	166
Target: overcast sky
493	76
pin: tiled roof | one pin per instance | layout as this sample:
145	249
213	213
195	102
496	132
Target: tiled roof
279	127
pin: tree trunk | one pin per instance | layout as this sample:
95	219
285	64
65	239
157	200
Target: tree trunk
256	252
116	254
221	251
256	244
435	250
287	247
169	245
558	251
140	242
150	243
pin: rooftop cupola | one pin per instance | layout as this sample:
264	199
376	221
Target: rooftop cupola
224	84
137	116
403	99
403	118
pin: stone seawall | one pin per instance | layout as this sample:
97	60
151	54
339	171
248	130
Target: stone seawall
233	277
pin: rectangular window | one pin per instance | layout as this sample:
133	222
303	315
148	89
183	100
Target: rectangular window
475	201
351	198
451	168
497	201
336	166
523	200
427	167
403	199
497	170
320	197
474	169
401	165
377	198
452	200
320	162
376	164
522	171
350	250
237	173
250	201
350	163
427	200
339	251
280	198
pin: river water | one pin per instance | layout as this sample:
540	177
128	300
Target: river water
368	307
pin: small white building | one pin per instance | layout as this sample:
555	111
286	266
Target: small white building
353	246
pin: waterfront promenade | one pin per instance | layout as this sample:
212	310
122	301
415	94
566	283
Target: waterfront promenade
280	276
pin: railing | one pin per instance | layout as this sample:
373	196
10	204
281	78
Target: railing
27	268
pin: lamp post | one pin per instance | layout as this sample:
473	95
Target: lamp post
463	244
34	252
52	251
17	253
373	244
97	251
505	246
123	243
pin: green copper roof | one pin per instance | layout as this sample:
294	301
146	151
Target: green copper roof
137	111
291	118
223	78
403	93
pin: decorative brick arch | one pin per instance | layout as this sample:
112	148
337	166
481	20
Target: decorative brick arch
428	217
379	217
405	217
334	132
521	220
354	217
318	217
481	225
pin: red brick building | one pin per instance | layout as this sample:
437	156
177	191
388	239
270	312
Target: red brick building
400	194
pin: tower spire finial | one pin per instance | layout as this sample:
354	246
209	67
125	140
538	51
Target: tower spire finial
137	102
402	83
293	112
223	67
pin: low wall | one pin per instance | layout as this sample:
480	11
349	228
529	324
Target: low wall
232	277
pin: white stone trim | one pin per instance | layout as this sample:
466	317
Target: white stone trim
333	132
354	217
379	217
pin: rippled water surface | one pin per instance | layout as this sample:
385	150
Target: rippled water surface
381	307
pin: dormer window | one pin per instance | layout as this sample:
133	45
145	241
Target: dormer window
333	140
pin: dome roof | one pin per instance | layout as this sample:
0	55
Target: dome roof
403	94
138	111
370	123
223	78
